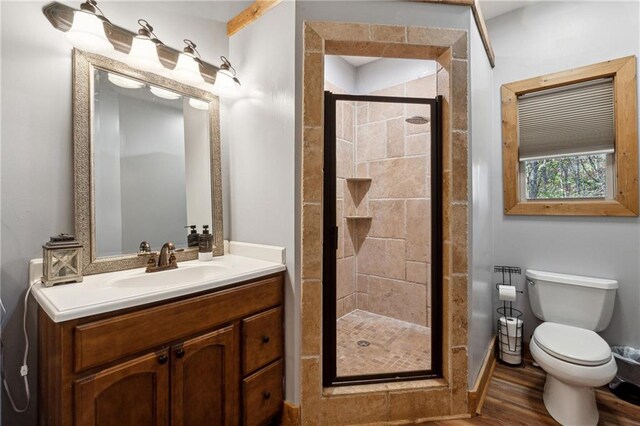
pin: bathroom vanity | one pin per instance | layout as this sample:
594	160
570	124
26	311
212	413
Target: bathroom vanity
212	356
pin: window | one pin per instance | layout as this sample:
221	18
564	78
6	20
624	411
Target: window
570	142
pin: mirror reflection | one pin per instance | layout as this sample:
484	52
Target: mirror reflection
151	164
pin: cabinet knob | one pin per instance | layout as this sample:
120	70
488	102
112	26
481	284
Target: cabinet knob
266	394
265	339
180	353
162	359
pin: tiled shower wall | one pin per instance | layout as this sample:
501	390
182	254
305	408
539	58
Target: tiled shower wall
383	263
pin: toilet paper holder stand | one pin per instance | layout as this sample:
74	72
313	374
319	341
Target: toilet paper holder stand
510	325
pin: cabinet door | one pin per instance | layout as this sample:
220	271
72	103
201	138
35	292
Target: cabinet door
205	379
133	393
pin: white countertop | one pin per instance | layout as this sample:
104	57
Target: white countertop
101	293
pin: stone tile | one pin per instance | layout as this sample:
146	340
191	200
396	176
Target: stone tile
379	111
433	36
460	167
312	164
395	346
344	159
418	144
446	329
340	308
340	184
372	142
424	87
348	115
362	170
362	114
313	94
311	314
341	31
398	299
446	259
459	95
418	231
341	236
354	409
459	49
310	391
311	241
345	277
349	240
459	311
383	258
349	303
312	41
397	90
420	404
459	392
362	283
446	205
459	238
398	178
339	120
362	301
396	34
417	272
388	218
395	137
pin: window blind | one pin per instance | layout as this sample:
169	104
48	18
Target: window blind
577	119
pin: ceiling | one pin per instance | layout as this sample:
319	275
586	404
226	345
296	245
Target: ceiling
492	8
358	61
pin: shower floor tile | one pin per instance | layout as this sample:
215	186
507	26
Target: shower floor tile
394	345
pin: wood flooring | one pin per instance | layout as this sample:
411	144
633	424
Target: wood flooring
515	398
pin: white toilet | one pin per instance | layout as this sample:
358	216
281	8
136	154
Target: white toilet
566	346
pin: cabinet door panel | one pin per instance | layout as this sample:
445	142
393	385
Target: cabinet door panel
129	394
205	378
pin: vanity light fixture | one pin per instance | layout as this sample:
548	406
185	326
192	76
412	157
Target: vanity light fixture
164	94
124	82
198	104
227	84
144	51
187	69
87	31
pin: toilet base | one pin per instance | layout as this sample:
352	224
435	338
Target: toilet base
570	405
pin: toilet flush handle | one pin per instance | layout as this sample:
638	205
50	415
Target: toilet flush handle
530	282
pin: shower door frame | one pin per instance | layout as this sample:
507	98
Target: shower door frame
330	245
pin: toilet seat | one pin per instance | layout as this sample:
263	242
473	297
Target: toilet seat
572	344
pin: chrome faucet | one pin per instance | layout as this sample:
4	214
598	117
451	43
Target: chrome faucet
162	261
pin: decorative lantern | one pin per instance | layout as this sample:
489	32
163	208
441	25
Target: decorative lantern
62	257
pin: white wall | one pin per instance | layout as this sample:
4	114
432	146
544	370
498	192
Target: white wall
481	286
262	176
541	39
37	161
340	73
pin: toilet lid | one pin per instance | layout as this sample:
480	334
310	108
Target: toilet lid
572	344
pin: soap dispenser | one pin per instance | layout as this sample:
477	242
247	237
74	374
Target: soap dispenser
205	246
192	237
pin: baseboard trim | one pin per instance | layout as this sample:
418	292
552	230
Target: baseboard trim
478	394
290	414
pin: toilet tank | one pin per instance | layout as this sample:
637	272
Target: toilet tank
571	299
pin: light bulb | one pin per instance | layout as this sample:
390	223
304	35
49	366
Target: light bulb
187	70
124	82
87	33
163	93
144	55
198	104
226	85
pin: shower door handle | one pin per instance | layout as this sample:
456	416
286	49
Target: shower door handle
335	238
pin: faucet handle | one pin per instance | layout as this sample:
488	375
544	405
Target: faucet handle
145	247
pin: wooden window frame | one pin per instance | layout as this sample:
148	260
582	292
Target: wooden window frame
625	200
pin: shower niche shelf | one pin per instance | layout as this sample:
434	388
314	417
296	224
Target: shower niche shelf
359	180
358	217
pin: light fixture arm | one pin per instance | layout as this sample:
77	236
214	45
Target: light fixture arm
226	65
146	30
91	6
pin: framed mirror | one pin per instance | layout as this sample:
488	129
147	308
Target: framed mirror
146	163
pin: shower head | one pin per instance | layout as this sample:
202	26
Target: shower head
417	119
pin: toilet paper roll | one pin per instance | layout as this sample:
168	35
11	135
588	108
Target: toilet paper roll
509	326
507	293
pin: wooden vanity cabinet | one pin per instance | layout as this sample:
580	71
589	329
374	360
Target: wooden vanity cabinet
213	358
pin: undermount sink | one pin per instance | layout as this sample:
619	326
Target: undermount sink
183	275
